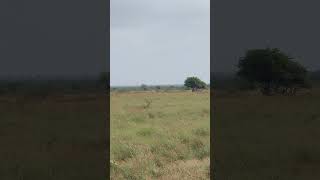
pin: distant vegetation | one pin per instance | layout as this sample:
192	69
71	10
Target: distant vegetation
194	83
287	79
145	87
42	86
272	71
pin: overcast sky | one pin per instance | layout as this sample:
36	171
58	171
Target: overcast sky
159	41
52	37
291	25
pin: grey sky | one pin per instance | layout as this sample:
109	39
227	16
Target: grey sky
291	25
52	37
159	41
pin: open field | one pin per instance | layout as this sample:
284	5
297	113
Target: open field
61	136
167	139
266	137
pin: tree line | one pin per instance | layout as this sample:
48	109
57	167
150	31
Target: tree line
268	70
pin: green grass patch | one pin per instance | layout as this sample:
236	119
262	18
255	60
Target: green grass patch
174	127
146	132
123	152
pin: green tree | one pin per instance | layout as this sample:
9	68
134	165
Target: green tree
293	78
194	83
273	71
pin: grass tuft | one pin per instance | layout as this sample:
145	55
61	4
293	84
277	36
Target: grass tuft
123	152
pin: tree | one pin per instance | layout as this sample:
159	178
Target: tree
293	78
194	83
273	71
144	87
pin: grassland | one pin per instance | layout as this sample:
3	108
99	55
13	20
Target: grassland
60	136
266	137
160	135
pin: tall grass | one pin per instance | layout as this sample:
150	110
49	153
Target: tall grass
160	135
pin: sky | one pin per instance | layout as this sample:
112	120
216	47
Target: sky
151	41
52	37
158	42
291	25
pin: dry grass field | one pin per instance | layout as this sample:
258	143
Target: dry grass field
160	135
266	137
58	137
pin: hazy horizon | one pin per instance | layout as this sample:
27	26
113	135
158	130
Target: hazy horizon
147	85
159	42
